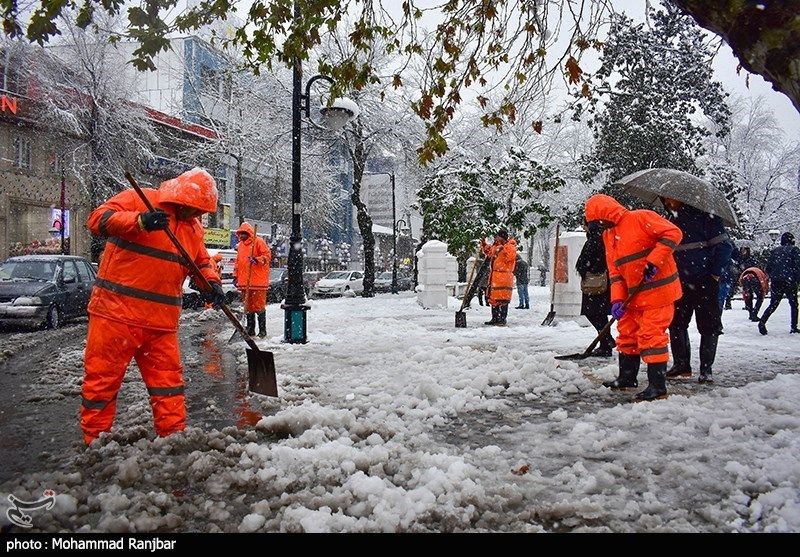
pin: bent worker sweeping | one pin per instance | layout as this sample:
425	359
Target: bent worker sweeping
137	297
643	273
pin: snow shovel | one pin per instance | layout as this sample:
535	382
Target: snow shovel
249	278
461	317
548	320
603	332
260	364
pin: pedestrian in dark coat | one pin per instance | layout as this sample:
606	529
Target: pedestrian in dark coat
701	257
522	274
783	269
596	307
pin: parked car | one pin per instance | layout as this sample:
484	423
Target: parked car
44	290
277	284
383	282
339	283
310	280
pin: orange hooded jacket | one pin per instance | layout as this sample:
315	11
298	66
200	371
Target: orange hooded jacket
501	279
259	279
637	238
141	274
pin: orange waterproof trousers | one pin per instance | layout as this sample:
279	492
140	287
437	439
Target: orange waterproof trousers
256	302
110	346
644	332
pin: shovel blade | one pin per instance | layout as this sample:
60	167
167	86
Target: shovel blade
461	320
579	356
549	319
261	372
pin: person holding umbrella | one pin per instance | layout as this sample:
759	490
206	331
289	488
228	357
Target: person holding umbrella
700	210
701	258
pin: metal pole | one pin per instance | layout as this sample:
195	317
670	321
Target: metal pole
394	239
294	330
63	195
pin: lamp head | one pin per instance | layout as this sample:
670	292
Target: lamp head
339	114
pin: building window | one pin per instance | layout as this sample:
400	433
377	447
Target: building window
22	152
57	163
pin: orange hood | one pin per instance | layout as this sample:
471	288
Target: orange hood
248	228
604	207
194	188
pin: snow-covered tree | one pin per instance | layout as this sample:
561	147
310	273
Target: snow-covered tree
758	167
81	92
471	200
251	115
382	128
648	102
504	45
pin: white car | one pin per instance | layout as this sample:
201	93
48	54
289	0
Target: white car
339	283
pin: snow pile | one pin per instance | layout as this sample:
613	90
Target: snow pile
391	420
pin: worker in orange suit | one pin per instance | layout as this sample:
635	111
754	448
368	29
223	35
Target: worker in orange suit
503	255
251	277
644	286
136	301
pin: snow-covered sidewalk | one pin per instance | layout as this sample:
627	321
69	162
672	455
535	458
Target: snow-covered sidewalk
390	419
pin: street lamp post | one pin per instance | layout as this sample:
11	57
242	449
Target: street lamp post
338	115
394	239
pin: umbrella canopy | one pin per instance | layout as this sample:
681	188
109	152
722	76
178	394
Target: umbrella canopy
653	183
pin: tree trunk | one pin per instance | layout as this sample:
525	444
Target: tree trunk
239	192
764	36
364	220
98	243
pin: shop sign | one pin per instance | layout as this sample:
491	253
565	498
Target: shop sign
8	104
217	237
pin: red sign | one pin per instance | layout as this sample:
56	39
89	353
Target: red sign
8	104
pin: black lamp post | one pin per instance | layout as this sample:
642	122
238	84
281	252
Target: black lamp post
295	308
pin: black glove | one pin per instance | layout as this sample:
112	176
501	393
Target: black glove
154	220
215	296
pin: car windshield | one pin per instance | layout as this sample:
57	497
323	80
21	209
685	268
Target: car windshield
386	275
338	275
27	270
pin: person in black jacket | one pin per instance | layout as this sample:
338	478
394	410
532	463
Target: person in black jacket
522	274
701	257
596	307
783	269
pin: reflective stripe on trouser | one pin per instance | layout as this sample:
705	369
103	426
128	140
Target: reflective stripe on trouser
644	332
110	346
256	302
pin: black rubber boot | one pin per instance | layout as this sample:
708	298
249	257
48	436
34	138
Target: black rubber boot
794	320
494	318
681	355
251	324
628	370
708	352
656	383
262	324
502	314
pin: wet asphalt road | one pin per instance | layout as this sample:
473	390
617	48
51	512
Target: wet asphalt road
40	378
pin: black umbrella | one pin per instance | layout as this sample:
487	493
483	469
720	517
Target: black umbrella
653	183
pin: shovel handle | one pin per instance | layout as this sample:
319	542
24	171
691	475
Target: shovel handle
469	281
201	279
605	330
